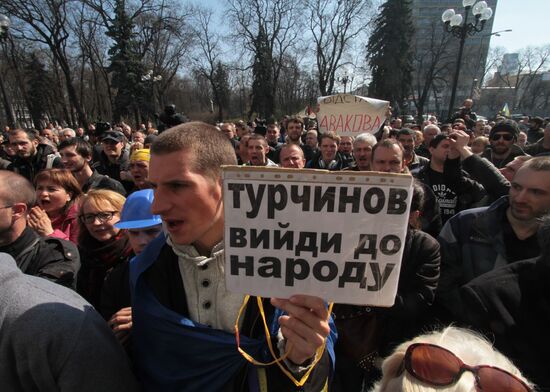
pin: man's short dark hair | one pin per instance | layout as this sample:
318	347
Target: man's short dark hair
407	132
438	139
15	188
329	135
82	147
386	143
210	147
32	134
295	120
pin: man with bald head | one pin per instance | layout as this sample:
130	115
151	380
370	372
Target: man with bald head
46	257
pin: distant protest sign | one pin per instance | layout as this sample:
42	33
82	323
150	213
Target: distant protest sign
339	236
350	115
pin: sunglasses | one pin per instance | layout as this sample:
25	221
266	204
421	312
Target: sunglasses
439	367
505	136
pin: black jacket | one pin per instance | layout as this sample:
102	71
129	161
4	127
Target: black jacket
107	168
511	305
47	257
29	168
515	152
100	181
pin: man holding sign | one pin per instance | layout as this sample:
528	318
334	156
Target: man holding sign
184	318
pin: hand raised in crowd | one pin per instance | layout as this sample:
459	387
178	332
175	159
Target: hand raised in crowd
305	327
459	145
121	324
39	221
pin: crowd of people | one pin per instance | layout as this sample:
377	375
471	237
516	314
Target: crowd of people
77	205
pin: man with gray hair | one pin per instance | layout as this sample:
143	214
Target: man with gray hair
66	133
362	151
429	132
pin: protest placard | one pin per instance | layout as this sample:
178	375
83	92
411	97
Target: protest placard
350	115
336	235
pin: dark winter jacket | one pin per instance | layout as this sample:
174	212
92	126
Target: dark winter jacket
516	151
511	305
472	244
47	257
30	167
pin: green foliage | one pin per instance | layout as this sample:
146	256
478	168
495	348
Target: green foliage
390	52
262	70
39	84
125	68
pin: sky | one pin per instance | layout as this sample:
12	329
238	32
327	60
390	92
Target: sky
528	20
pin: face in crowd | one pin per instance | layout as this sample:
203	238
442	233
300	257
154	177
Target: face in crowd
291	156
502	142
189	203
100	219
294	131
362	152
72	160
328	148
346	145
52	198
22	145
273	133
387	159
257	151
529	194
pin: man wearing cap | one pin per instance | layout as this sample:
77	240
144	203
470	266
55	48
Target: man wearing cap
503	149
139	168
76	155
113	158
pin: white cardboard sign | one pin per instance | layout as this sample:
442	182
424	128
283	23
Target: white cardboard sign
336	235
350	115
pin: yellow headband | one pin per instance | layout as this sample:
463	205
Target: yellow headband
141	155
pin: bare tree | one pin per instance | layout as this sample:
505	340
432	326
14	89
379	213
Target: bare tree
334	24
46	22
432	65
267	28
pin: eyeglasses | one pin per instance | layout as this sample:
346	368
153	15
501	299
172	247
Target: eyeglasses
104	216
505	136
437	366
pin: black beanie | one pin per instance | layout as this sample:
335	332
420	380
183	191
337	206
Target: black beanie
509	126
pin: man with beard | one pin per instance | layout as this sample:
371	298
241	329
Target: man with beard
503	137
76	155
294	130
479	240
31	157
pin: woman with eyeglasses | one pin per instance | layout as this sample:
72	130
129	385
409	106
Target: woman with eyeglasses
102	246
57	194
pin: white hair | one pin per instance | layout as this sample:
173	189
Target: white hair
365	138
68	130
471	348
432	126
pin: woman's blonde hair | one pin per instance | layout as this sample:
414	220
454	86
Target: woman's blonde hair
98	198
470	347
